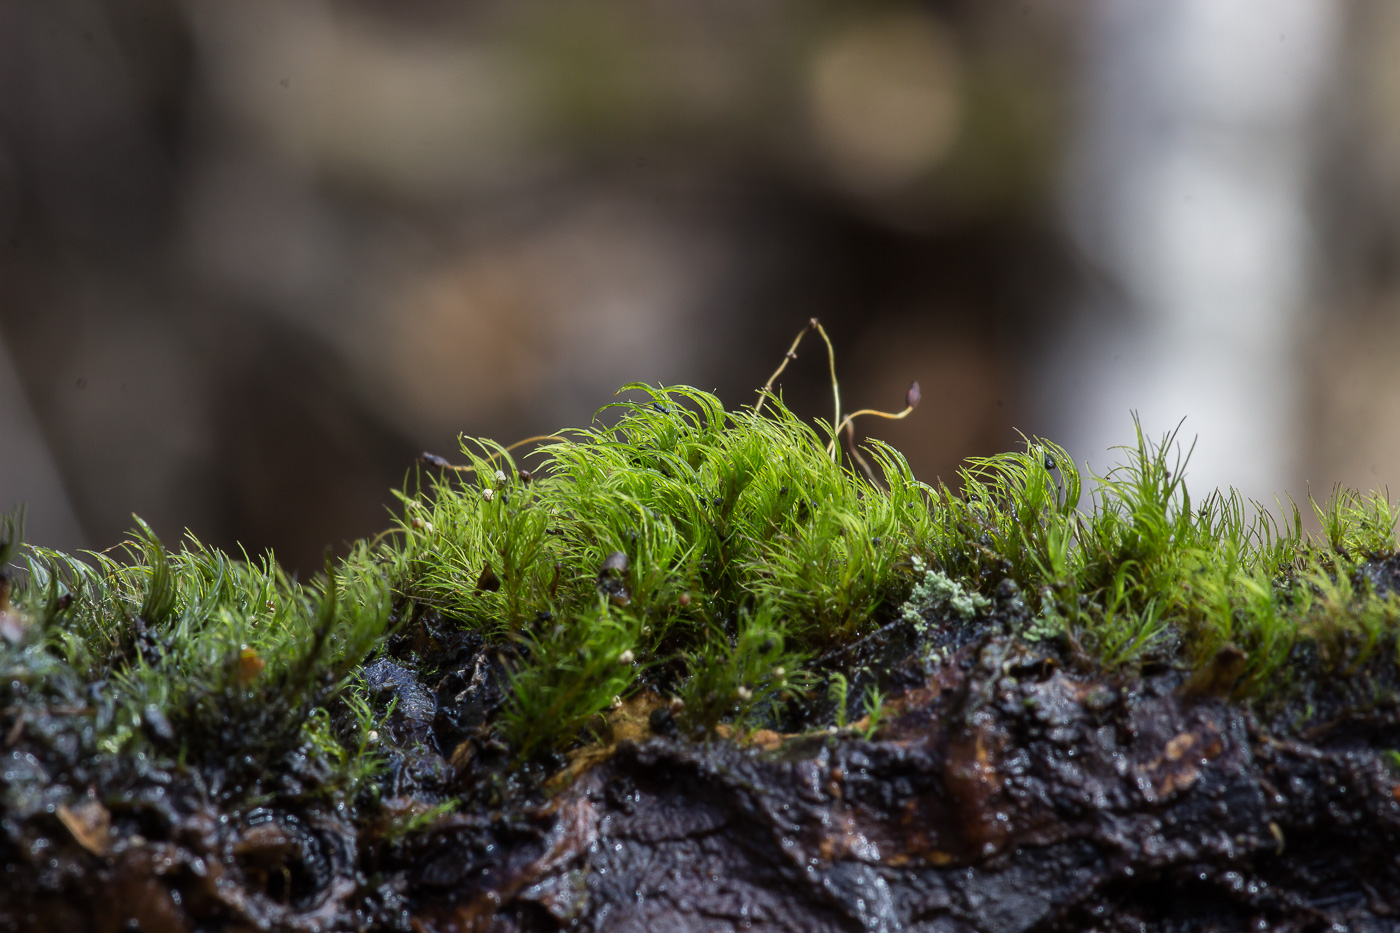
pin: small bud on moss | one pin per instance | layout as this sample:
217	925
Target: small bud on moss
627	657
250	665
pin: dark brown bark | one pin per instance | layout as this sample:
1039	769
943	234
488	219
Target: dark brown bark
1007	794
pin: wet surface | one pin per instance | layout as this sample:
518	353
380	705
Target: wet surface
1007	790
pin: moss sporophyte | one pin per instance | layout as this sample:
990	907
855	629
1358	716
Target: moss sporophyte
711	569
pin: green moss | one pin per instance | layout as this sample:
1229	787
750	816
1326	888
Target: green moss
193	653
707	554
720	545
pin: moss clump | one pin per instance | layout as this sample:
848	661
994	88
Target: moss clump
221	663
1139	574
707	552
712	556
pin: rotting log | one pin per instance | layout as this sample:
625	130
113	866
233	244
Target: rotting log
1008	792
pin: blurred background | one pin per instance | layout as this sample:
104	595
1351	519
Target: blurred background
255	256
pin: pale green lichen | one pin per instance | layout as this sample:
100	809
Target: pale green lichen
932	589
1046	626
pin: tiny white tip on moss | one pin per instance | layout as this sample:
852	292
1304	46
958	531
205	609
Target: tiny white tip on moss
744	693
627	657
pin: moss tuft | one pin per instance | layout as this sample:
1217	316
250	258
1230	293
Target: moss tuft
191	654
721	559
707	546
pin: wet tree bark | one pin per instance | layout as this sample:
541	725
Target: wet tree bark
1007	796
1007	793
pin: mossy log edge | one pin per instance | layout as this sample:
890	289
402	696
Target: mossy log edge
1007	793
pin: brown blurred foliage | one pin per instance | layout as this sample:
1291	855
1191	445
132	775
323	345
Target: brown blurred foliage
257	255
